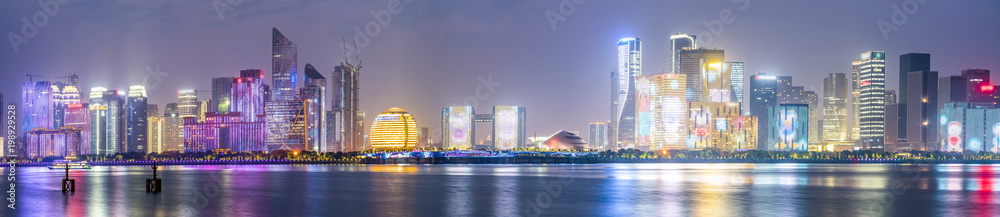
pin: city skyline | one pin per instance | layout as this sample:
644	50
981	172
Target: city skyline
390	69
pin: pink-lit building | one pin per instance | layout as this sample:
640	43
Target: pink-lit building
223	132
78	117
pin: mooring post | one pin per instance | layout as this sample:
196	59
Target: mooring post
68	185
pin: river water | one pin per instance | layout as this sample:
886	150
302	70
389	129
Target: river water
517	190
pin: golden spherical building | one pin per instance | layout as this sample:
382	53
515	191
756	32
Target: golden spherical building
394	128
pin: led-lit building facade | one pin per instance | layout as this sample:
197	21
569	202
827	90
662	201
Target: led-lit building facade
789	127
224	132
678	43
78	117
137	125
344	93
871	80
284	65
509	127
623	93
315	91
63	94
53	142
715	78
38	108
660	112
248	95
221	94
287	125
457	127
394	128
720	125
968	127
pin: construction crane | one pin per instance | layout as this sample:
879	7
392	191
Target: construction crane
72	78
32	76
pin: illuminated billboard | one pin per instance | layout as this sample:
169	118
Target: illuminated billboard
458	127
790	129
508	127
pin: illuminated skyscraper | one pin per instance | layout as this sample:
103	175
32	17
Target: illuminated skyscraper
979	82
248	95
115	122
137	125
284	67
921	111
98	122
763	95
597	136
315	91
661	112
287	125
154	130
78	118
63	94
203	109
871	81
736	79
345	108
221	94
458	128
623	93
394	128
38	107
509	127
705	74
835	122
815	138
679	42
187	103
910	62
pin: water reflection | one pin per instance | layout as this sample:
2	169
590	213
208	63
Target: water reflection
505	190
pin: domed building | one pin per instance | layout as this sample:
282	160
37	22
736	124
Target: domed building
394	128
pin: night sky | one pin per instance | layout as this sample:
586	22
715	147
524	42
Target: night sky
431	54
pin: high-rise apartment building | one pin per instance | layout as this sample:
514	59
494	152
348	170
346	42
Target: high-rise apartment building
188	104
736	79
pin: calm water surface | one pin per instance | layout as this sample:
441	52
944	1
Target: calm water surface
518	190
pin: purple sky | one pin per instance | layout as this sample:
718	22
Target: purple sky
431	53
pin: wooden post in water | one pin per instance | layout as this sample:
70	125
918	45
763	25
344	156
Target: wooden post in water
153	185
68	185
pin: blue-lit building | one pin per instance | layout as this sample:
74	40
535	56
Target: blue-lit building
248	95
137	125
284	67
287	125
315	92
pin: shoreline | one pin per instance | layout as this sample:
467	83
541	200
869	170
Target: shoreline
515	160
